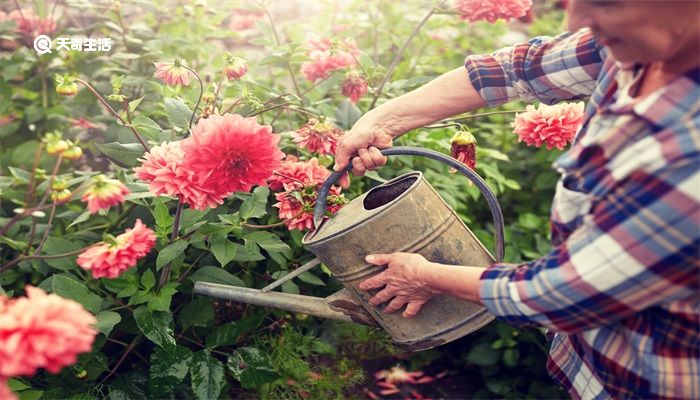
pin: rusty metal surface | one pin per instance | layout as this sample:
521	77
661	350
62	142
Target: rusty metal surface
417	220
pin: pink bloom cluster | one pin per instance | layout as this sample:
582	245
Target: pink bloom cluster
327	56
104	193
243	19
123	252
41	331
29	25
318	136
554	125
225	154
300	181
397	381
491	10
354	86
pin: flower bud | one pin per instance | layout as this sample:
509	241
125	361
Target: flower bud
73	153
59	184
62	196
235	67
208	96
67	89
57	147
463	148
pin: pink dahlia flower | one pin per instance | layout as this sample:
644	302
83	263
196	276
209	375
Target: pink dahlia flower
354	86
554	125
296	204
295	171
104	193
123	252
42	331
235	67
172	74
231	153
327	56
5	392
318	137
30	25
243	19
162	167
491	10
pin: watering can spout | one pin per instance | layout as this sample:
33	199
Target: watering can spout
339	306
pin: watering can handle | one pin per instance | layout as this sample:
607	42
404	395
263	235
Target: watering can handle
320	208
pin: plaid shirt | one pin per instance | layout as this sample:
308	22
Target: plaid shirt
620	286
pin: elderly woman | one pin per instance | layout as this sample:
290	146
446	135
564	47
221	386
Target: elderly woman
620	286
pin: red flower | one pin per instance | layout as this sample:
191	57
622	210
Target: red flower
172	74
112	259
231	153
104	193
318	137
328	56
41	331
163	168
354	86
293	170
554	125
296	204
463	148
5	392
491	10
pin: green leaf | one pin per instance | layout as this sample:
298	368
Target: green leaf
168	369
224	250
224	335
312	279
251	367
69	288
135	103
347	114
198	312
170	252
267	240
215	275
161	213
20	174
106	320
124	155
147	127
254	205
178	113
148	280
482	354
161	301
157	326
529	221
81	218
54	245
511	356
207	375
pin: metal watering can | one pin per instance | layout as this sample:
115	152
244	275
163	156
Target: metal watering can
404	214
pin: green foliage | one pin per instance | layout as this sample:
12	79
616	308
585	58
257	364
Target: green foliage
157	338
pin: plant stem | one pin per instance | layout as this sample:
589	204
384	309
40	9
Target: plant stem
19	216
165	273
460	118
398	56
42	257
201	92
279	42
46	231
116	114
128	350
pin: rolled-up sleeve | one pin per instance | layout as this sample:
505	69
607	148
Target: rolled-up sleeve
638	247
548	69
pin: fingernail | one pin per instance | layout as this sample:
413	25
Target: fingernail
370	258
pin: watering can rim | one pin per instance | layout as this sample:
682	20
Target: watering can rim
309	236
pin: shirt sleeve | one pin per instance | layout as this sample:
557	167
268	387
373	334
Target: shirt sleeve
548	69
638	247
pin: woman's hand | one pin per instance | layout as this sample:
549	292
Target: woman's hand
360	146
404	281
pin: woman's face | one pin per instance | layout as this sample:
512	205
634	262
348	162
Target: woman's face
640	31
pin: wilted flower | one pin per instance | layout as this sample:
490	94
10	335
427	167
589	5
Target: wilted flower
172	74
491	10
354	86
163	168
463	148
42	331
110	259
104	193
327	56
231	153
293	170
296	204
554	125
235	67
319	136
